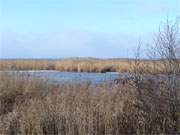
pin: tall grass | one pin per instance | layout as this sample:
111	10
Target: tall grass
80	65
33	106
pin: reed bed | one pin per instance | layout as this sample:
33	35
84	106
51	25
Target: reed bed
33	106
80	65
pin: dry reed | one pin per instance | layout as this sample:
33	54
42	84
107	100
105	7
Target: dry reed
32	106
80	65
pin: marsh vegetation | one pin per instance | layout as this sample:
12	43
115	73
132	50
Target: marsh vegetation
134	105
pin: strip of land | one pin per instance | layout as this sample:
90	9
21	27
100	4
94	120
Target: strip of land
82	65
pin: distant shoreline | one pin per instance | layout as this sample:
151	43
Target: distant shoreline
90	65
72	58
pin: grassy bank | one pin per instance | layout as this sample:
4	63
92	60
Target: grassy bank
81	65
32	106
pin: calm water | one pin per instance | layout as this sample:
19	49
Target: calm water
58	76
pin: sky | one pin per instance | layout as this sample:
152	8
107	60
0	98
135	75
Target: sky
80	28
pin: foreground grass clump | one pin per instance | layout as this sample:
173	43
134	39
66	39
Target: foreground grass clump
32	106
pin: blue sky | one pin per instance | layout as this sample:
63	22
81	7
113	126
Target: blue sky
79	28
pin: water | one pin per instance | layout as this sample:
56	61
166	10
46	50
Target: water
63	77
76	77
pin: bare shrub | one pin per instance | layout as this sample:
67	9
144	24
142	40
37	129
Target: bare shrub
167	50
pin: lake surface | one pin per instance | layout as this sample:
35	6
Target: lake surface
63	77
81	77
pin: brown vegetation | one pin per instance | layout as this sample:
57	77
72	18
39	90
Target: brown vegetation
80	65
32	106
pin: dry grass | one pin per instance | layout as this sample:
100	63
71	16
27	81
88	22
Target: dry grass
80	65
32	106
